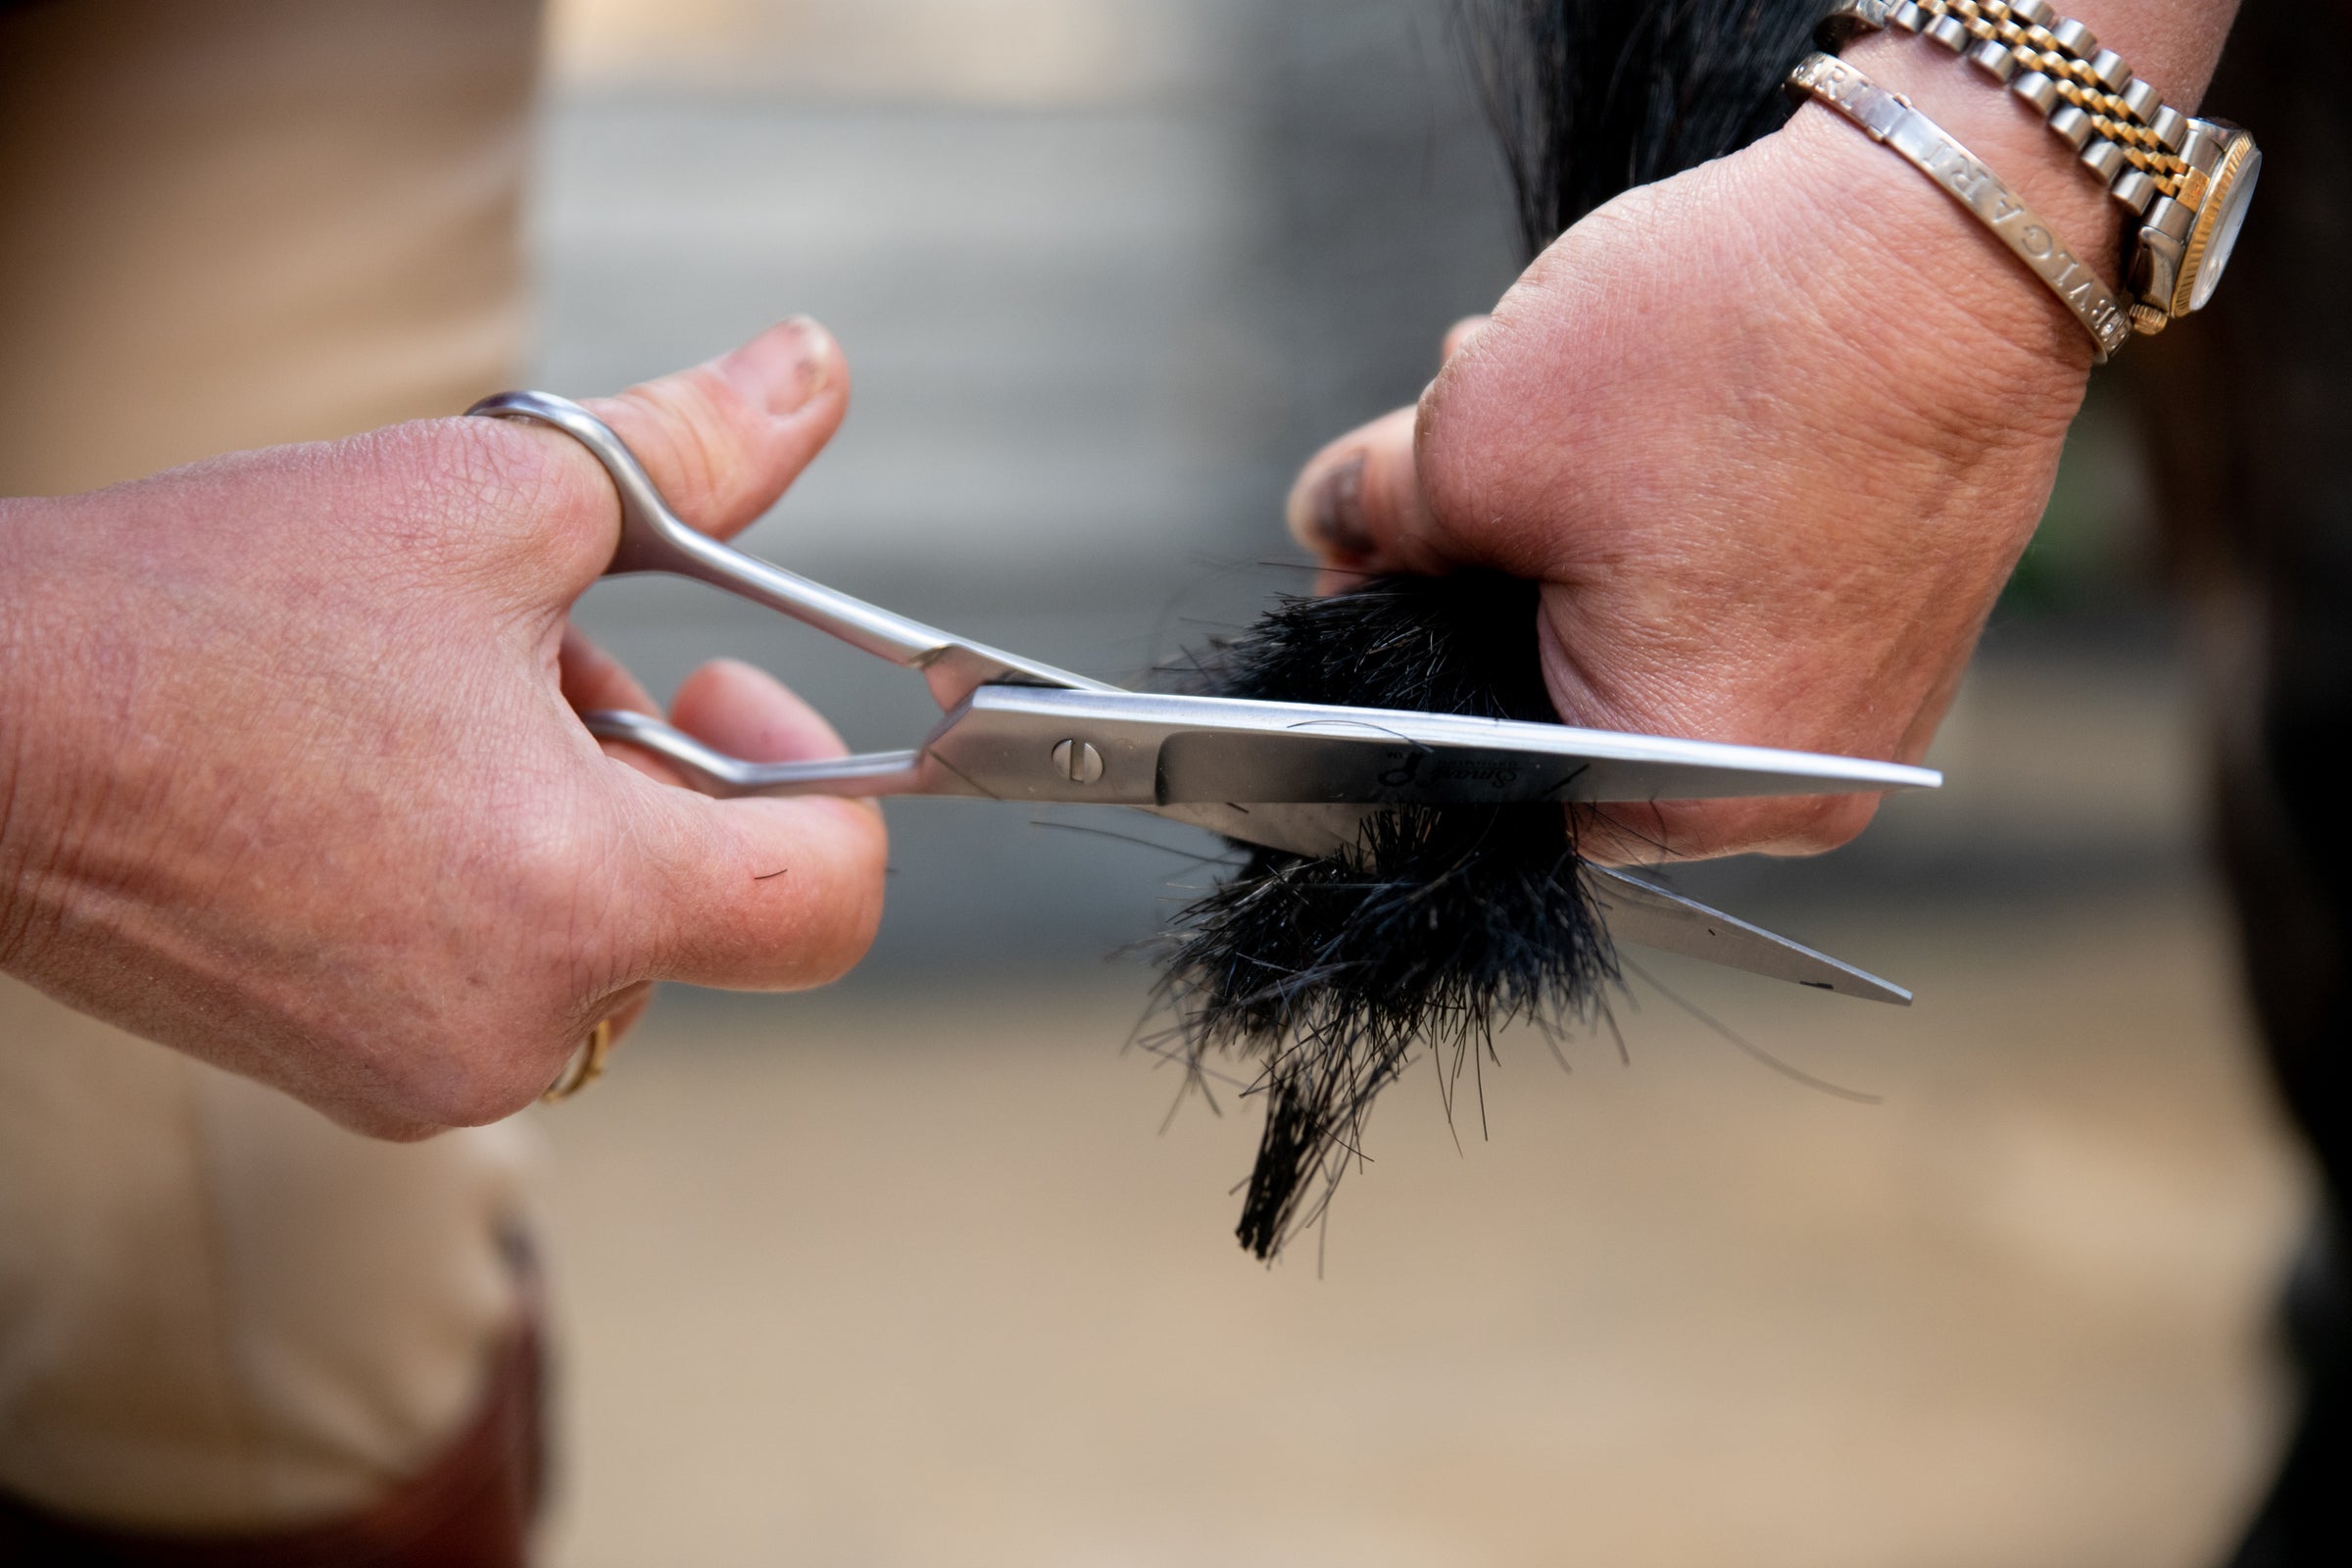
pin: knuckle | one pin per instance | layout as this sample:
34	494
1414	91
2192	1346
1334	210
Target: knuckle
1452	493
559	505
695	441
450	492
477	465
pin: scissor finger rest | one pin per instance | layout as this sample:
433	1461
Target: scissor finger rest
714	772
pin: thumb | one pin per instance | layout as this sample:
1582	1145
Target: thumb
720	441
723	439
1358	503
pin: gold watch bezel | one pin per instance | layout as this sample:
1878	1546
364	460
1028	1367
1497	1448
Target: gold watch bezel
2239	154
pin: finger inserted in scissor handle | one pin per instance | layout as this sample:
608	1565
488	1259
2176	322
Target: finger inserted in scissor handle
653	538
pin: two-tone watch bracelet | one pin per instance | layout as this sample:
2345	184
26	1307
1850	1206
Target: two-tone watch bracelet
1889	118
2186	180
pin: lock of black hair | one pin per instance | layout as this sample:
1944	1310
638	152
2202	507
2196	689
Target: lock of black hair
1443	925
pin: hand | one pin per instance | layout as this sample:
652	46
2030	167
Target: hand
1765	508
1770	434
290	775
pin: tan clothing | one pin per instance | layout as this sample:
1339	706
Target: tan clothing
226	224
216	1308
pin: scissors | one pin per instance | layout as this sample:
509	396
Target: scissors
1295	776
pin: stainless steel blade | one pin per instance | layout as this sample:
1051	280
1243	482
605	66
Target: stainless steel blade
1650	916
1137	749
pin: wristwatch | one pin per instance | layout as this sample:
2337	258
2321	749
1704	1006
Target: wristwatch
2186	180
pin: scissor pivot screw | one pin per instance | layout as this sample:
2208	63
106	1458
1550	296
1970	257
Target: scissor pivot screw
1078	761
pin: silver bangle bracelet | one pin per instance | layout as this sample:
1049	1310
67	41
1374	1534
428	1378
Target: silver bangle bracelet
1889	118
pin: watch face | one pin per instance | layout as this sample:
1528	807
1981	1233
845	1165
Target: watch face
2215	235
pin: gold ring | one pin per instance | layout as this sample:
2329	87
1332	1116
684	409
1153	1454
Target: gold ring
586	1066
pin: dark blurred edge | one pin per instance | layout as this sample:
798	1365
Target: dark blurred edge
2249	414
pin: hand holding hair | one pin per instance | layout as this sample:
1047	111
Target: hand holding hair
1746	455
1772	431
291	776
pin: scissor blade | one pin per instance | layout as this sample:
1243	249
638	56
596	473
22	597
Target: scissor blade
1649	917
1140	749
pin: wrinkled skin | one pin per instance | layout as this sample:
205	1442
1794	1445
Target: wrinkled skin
291	779
1772	434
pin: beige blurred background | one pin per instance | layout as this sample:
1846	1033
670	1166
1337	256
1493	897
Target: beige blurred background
911	1272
